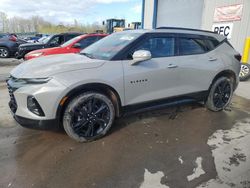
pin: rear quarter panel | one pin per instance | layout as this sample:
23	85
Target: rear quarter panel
227	54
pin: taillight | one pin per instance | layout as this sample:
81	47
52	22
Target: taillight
238	57
13	38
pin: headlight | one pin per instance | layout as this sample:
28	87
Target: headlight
23	81
37	80
36	54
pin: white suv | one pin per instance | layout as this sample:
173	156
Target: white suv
124	72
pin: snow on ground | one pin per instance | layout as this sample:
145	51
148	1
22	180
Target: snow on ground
197	171
231	152
153	180
180	159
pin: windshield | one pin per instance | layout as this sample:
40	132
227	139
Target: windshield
47	39
71	41
109	46
42	39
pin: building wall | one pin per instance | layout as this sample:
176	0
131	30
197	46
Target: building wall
148	14
180	13
196	14
241	29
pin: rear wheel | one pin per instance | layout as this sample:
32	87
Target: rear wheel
88	116
220	94
4	52
244	72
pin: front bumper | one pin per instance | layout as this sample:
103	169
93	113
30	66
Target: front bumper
52	124
22	52
48	96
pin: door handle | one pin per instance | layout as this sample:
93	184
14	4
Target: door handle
172	66
212	58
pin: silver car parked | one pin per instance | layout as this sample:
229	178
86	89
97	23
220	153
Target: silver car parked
124	72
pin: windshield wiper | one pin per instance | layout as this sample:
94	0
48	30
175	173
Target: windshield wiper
87	55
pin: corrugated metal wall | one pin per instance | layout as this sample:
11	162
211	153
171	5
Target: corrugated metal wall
180	13
241	29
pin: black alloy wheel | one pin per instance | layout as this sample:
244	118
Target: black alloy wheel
88	117
220	94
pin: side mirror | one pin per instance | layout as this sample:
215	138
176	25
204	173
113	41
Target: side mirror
141	55
76	45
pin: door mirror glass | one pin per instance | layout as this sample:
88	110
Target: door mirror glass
76	45
140	55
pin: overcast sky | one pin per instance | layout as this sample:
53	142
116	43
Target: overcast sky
65	11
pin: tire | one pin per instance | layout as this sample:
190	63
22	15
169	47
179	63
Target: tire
244	72
220	94
4	52
88	116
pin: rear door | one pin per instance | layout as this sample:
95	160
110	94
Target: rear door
197	64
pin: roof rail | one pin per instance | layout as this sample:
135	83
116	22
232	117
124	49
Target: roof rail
187	29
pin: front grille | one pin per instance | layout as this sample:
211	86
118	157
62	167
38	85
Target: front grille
12	102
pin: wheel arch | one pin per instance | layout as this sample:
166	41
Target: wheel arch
105	89
4	46
227	73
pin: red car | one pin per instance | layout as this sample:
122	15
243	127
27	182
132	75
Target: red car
74	45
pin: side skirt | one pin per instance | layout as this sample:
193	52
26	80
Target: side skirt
164	103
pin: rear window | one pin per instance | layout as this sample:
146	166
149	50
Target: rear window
2	35
212	43
68	37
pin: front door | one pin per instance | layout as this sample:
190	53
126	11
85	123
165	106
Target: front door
155	78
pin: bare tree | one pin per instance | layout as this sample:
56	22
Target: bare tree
3	22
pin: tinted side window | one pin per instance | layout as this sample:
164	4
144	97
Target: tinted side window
212	43
100	37
159	47
189	46
68	37
56	41
87	41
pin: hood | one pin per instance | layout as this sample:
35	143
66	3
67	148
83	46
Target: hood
31	45
44	50
54	64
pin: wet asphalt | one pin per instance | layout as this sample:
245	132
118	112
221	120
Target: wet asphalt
152	149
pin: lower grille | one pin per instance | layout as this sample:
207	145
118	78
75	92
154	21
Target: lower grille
12	103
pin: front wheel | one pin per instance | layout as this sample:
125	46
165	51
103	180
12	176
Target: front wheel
220	94
88	116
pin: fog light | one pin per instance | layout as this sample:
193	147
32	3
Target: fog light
34	106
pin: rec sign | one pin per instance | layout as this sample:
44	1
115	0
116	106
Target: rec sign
225	29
